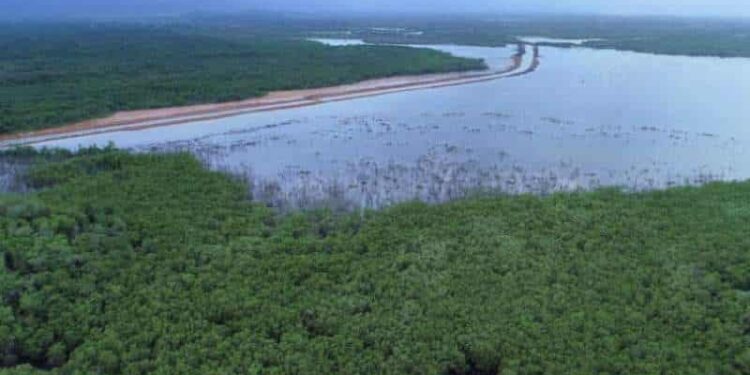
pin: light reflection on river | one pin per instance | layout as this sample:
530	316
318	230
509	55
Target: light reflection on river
585	118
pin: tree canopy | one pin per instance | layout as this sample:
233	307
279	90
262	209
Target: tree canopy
129	264
61	73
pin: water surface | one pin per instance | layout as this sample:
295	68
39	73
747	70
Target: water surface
541	39
586	118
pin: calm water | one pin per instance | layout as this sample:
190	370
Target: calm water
541	39
585	118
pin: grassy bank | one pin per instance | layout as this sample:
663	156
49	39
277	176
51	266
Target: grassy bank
57	74
151	264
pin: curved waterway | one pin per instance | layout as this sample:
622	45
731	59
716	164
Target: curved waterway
583	119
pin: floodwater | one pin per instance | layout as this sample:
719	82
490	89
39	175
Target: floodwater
338	42
585	119
541	39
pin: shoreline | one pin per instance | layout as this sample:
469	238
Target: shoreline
277	100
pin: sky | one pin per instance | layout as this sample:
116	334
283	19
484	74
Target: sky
130	8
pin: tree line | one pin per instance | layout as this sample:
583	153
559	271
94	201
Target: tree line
54	74
133	264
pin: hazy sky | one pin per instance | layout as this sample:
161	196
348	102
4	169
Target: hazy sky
61	8
660	7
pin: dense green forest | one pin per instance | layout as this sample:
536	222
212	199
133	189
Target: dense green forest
131	264
56	74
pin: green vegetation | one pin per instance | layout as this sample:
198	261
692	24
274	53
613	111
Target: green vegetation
56	74
53	74
126	264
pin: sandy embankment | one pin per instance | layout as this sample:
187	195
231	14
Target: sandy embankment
134	120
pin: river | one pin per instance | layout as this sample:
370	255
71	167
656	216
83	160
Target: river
584	119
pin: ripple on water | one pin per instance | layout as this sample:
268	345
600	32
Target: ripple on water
585	119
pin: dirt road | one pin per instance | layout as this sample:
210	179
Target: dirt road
519	64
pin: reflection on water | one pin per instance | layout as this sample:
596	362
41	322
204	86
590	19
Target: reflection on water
586	118
540	39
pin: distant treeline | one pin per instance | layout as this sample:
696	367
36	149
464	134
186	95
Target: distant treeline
56	74
124	264
661	35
